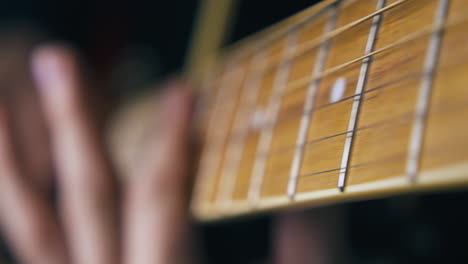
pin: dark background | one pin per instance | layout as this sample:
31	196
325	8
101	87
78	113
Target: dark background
152	37
155	33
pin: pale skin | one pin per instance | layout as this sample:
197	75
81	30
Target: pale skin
101	219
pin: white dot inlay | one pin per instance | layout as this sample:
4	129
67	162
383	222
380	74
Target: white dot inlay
338	90
258	119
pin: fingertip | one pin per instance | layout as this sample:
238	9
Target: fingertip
52	67
53	51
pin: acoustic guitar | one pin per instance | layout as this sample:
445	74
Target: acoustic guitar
347	100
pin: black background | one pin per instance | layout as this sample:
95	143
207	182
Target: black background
104	30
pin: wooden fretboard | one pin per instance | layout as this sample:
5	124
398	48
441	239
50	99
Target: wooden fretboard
349	100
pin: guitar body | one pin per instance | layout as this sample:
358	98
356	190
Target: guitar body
347	100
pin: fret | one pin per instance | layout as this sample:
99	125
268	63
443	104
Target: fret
359	96
424	94
219	131
240	130
380	148
316	42
330	116
204	183
258	174
372	96
256	122
445	145
304	122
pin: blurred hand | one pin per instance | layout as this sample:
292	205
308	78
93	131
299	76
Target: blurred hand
89	224
100	218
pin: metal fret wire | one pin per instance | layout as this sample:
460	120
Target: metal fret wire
408	77
422	107
411	76
406	120
362	81
426	31
279	86
308	106
319	41
308	46
211	155
235	149
415	36
429	30
204	177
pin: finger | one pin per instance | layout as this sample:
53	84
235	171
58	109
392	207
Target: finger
87	188
28	223
310	237
156	201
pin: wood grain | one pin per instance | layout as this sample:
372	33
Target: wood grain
287	125
387	114
380	153
329	120
447	126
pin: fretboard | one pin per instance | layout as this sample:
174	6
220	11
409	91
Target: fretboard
355	99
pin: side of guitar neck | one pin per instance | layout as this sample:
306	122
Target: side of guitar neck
349	100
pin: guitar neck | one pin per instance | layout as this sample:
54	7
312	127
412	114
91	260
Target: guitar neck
348	100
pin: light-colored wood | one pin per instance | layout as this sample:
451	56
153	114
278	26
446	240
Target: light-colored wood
214	18
283	146
251	44
447	126
239	91
259	113
219	132
379	155
387	113
330	120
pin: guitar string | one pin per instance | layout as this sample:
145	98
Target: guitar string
297	116
302	83
401	120
275	181
314	43
409	77
311	44
438	108
444	109
234	151
202	175
208	156
394	158
457	21
418	34
243	49
387	85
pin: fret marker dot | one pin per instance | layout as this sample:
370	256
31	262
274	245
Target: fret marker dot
338	90
258	119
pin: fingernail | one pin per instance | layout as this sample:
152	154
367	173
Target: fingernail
50	71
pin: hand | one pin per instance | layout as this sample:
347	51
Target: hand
100	218
94	220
